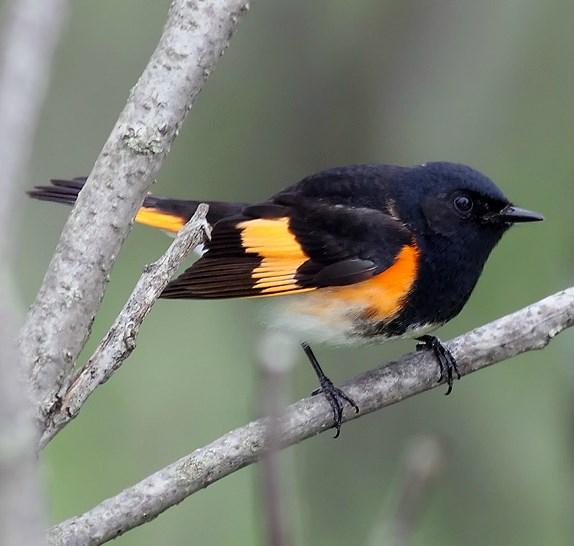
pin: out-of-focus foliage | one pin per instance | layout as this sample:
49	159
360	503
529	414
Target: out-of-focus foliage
307	85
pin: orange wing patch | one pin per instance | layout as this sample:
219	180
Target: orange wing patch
281	255
163	220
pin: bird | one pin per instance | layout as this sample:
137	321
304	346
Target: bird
354	254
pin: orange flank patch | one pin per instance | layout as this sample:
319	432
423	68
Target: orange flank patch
380	297
280	252
162	220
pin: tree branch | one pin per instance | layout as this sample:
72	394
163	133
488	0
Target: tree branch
30	32
528	329
195	35
120	340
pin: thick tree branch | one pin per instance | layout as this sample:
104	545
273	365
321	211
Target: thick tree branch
195	35
530	328
29	36
120	341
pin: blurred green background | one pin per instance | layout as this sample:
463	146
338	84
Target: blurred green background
305	86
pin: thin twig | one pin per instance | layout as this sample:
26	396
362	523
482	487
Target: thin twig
528	329
29	36
424	461
195	35
120	340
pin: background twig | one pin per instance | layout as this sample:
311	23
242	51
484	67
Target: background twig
29	35
528	329
424	461
276	359
57	327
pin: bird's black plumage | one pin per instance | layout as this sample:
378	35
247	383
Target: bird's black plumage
366	252
352	222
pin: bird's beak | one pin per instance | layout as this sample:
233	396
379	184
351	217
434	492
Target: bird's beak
512	215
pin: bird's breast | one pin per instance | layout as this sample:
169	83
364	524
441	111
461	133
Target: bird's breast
352	313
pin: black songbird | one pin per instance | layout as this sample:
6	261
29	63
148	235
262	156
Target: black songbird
362	253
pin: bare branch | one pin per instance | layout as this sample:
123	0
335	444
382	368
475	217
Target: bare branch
30	32
195	35
120	341
530	328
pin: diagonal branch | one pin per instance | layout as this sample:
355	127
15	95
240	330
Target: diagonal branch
120	340
195	35
528	329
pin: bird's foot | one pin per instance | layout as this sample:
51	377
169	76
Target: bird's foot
334	395
447	363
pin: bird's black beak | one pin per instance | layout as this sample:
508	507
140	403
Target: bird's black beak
512	215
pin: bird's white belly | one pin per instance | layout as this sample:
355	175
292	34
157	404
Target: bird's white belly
314	320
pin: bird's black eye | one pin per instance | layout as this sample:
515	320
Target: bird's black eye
463	204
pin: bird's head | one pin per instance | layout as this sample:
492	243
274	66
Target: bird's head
458	203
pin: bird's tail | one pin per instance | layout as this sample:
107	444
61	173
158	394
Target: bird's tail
161	212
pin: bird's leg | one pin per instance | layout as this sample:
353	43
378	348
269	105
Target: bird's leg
446	362
334	395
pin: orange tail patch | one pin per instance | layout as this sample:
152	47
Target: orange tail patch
162	220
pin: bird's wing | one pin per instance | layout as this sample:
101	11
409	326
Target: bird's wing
291	244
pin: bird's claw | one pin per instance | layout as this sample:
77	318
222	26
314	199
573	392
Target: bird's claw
335	397
448	368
